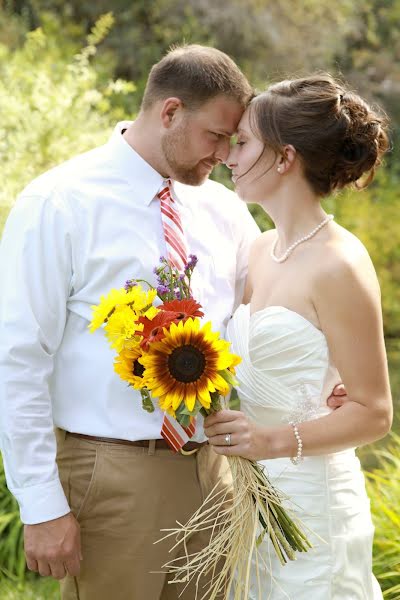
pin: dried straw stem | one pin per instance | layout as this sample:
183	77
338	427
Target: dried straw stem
237	520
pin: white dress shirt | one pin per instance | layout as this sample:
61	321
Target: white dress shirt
74	233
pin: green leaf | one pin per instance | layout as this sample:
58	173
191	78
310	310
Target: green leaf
229	377
183	420
234	400
147	402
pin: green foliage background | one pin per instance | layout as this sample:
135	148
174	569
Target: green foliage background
67	75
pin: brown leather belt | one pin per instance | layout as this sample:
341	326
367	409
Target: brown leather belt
160	444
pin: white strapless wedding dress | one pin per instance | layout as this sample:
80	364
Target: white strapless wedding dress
286	375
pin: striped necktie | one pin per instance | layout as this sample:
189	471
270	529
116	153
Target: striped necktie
177	253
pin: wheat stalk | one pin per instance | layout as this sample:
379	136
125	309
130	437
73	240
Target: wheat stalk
237	520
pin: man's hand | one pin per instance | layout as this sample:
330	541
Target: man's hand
338	396
54	547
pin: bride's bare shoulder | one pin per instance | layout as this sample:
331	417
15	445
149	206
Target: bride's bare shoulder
347	249
264	240
260	245
345	292
268	235
346	260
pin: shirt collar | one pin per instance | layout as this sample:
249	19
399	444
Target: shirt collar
145	180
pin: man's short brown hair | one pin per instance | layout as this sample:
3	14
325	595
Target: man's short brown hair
195	74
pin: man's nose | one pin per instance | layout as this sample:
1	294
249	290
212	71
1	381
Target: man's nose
223	150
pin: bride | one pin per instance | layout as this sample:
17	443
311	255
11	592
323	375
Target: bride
312	311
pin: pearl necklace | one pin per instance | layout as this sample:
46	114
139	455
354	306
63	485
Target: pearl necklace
289	251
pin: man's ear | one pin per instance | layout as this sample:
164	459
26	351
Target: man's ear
170	111
287	158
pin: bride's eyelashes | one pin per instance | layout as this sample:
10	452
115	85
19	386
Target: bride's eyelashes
236	141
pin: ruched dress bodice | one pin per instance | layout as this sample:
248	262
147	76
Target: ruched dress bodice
286	376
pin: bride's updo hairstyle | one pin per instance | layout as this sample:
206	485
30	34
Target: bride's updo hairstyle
338	136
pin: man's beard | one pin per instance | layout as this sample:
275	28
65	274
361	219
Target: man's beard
173	145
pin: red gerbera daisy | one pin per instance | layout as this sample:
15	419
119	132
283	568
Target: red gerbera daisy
183	308
153	329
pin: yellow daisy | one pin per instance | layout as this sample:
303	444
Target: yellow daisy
151	313
121	326
136	298
185	365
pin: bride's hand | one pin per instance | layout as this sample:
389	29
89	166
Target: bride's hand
232	433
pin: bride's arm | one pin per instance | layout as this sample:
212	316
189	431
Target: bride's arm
347	299
348	303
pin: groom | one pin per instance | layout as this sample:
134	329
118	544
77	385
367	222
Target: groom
93	500
94	504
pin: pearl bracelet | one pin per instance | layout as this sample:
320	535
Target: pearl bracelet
299	456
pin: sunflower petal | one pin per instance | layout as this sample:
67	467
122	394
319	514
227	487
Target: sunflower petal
190	398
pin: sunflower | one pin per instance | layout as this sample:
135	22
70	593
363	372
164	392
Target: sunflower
237	360
128	367
186	365
136	298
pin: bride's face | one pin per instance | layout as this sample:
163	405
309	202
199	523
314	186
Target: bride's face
253	164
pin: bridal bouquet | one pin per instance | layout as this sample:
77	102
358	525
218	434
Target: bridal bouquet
165	352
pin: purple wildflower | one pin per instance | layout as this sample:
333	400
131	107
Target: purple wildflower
129	284
193	260
162	289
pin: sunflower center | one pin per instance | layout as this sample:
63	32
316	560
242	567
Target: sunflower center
186	364
138	369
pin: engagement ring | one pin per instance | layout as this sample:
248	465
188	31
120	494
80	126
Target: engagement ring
228	439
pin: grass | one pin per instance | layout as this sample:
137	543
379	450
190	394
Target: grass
44	588
12	558
383	486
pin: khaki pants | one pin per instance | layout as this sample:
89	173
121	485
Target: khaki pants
122	496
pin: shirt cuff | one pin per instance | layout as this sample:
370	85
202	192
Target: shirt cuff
42	502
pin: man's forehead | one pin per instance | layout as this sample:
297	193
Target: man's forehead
223	114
